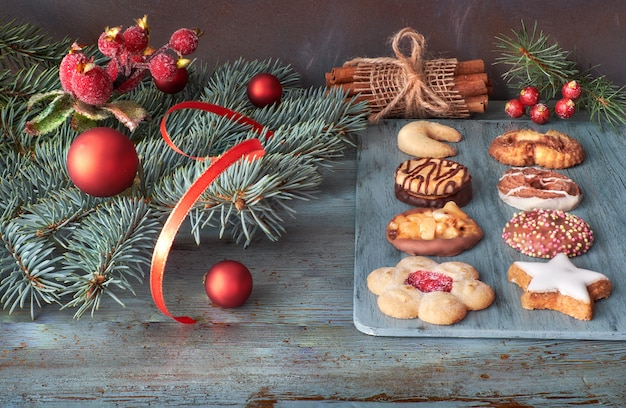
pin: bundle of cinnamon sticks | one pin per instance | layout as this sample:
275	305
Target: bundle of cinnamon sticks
470	82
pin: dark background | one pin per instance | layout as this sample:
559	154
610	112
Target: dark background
315	36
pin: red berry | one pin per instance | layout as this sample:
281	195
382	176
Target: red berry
515	108
68	65
136	39
565	108
428	281
92	84
529	96
163	67
184	41
571	90
539	113
175	85
111	42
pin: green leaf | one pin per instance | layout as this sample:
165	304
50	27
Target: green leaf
129	113
53	116
90	111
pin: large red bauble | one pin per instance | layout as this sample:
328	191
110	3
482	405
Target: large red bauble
228	283
102	162
264	89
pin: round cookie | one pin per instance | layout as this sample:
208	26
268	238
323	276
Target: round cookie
526	147
526	188
432	182
446	231
544	233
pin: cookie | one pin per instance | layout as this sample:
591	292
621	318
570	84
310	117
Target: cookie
559	285
425	139
432	182
418	287
526	188
526	147
544	233
446	231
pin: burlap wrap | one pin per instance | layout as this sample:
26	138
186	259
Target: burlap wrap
408	86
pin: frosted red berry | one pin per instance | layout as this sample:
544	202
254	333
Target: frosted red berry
67	68
92	85
571	90
136	39
429	281
163	67
111	42
540	113
514	108
529	96
565	108
184	41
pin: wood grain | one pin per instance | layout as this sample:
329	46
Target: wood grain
293	344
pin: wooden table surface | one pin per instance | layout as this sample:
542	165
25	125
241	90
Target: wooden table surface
294	343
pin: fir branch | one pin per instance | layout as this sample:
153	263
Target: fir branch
25	45
27	268
605	102
534	60
109	247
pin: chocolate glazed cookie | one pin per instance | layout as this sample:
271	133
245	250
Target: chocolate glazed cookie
431	182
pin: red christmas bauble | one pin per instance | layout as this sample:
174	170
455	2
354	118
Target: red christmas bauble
228	283
102	162
176	84
264	89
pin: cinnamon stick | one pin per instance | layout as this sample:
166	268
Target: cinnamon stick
477	104
342	75
470	88
475	66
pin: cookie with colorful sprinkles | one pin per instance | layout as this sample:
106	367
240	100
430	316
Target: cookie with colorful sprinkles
544	233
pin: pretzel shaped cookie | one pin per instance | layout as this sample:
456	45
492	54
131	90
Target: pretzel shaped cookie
418	287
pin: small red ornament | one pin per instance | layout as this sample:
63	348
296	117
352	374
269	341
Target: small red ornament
539	113
174	85
264	89
565	108
514	108
571	90
529	96
102	162
228	283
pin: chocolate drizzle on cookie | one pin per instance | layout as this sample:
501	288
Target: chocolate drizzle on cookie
431	182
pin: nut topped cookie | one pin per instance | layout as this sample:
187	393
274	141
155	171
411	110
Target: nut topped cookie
432	182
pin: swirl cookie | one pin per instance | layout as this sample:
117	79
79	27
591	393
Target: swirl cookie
418	287
446	231
526	147
559	285
545	233
526	188
432	182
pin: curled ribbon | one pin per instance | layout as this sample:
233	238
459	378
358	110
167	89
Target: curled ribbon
250	149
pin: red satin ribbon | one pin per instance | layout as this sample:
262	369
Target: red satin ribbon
250	149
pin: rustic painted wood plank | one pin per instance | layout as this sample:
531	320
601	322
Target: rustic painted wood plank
601	177
293	344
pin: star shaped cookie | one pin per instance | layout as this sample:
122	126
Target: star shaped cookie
559	285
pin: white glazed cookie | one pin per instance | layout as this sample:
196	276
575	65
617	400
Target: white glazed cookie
418	287
559	285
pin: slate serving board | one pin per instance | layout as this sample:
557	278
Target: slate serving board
602	177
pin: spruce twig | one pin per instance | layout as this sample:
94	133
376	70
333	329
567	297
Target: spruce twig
534	59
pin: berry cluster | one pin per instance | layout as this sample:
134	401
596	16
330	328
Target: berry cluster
529	99
131	58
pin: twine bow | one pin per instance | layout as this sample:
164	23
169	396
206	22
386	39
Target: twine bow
414	95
